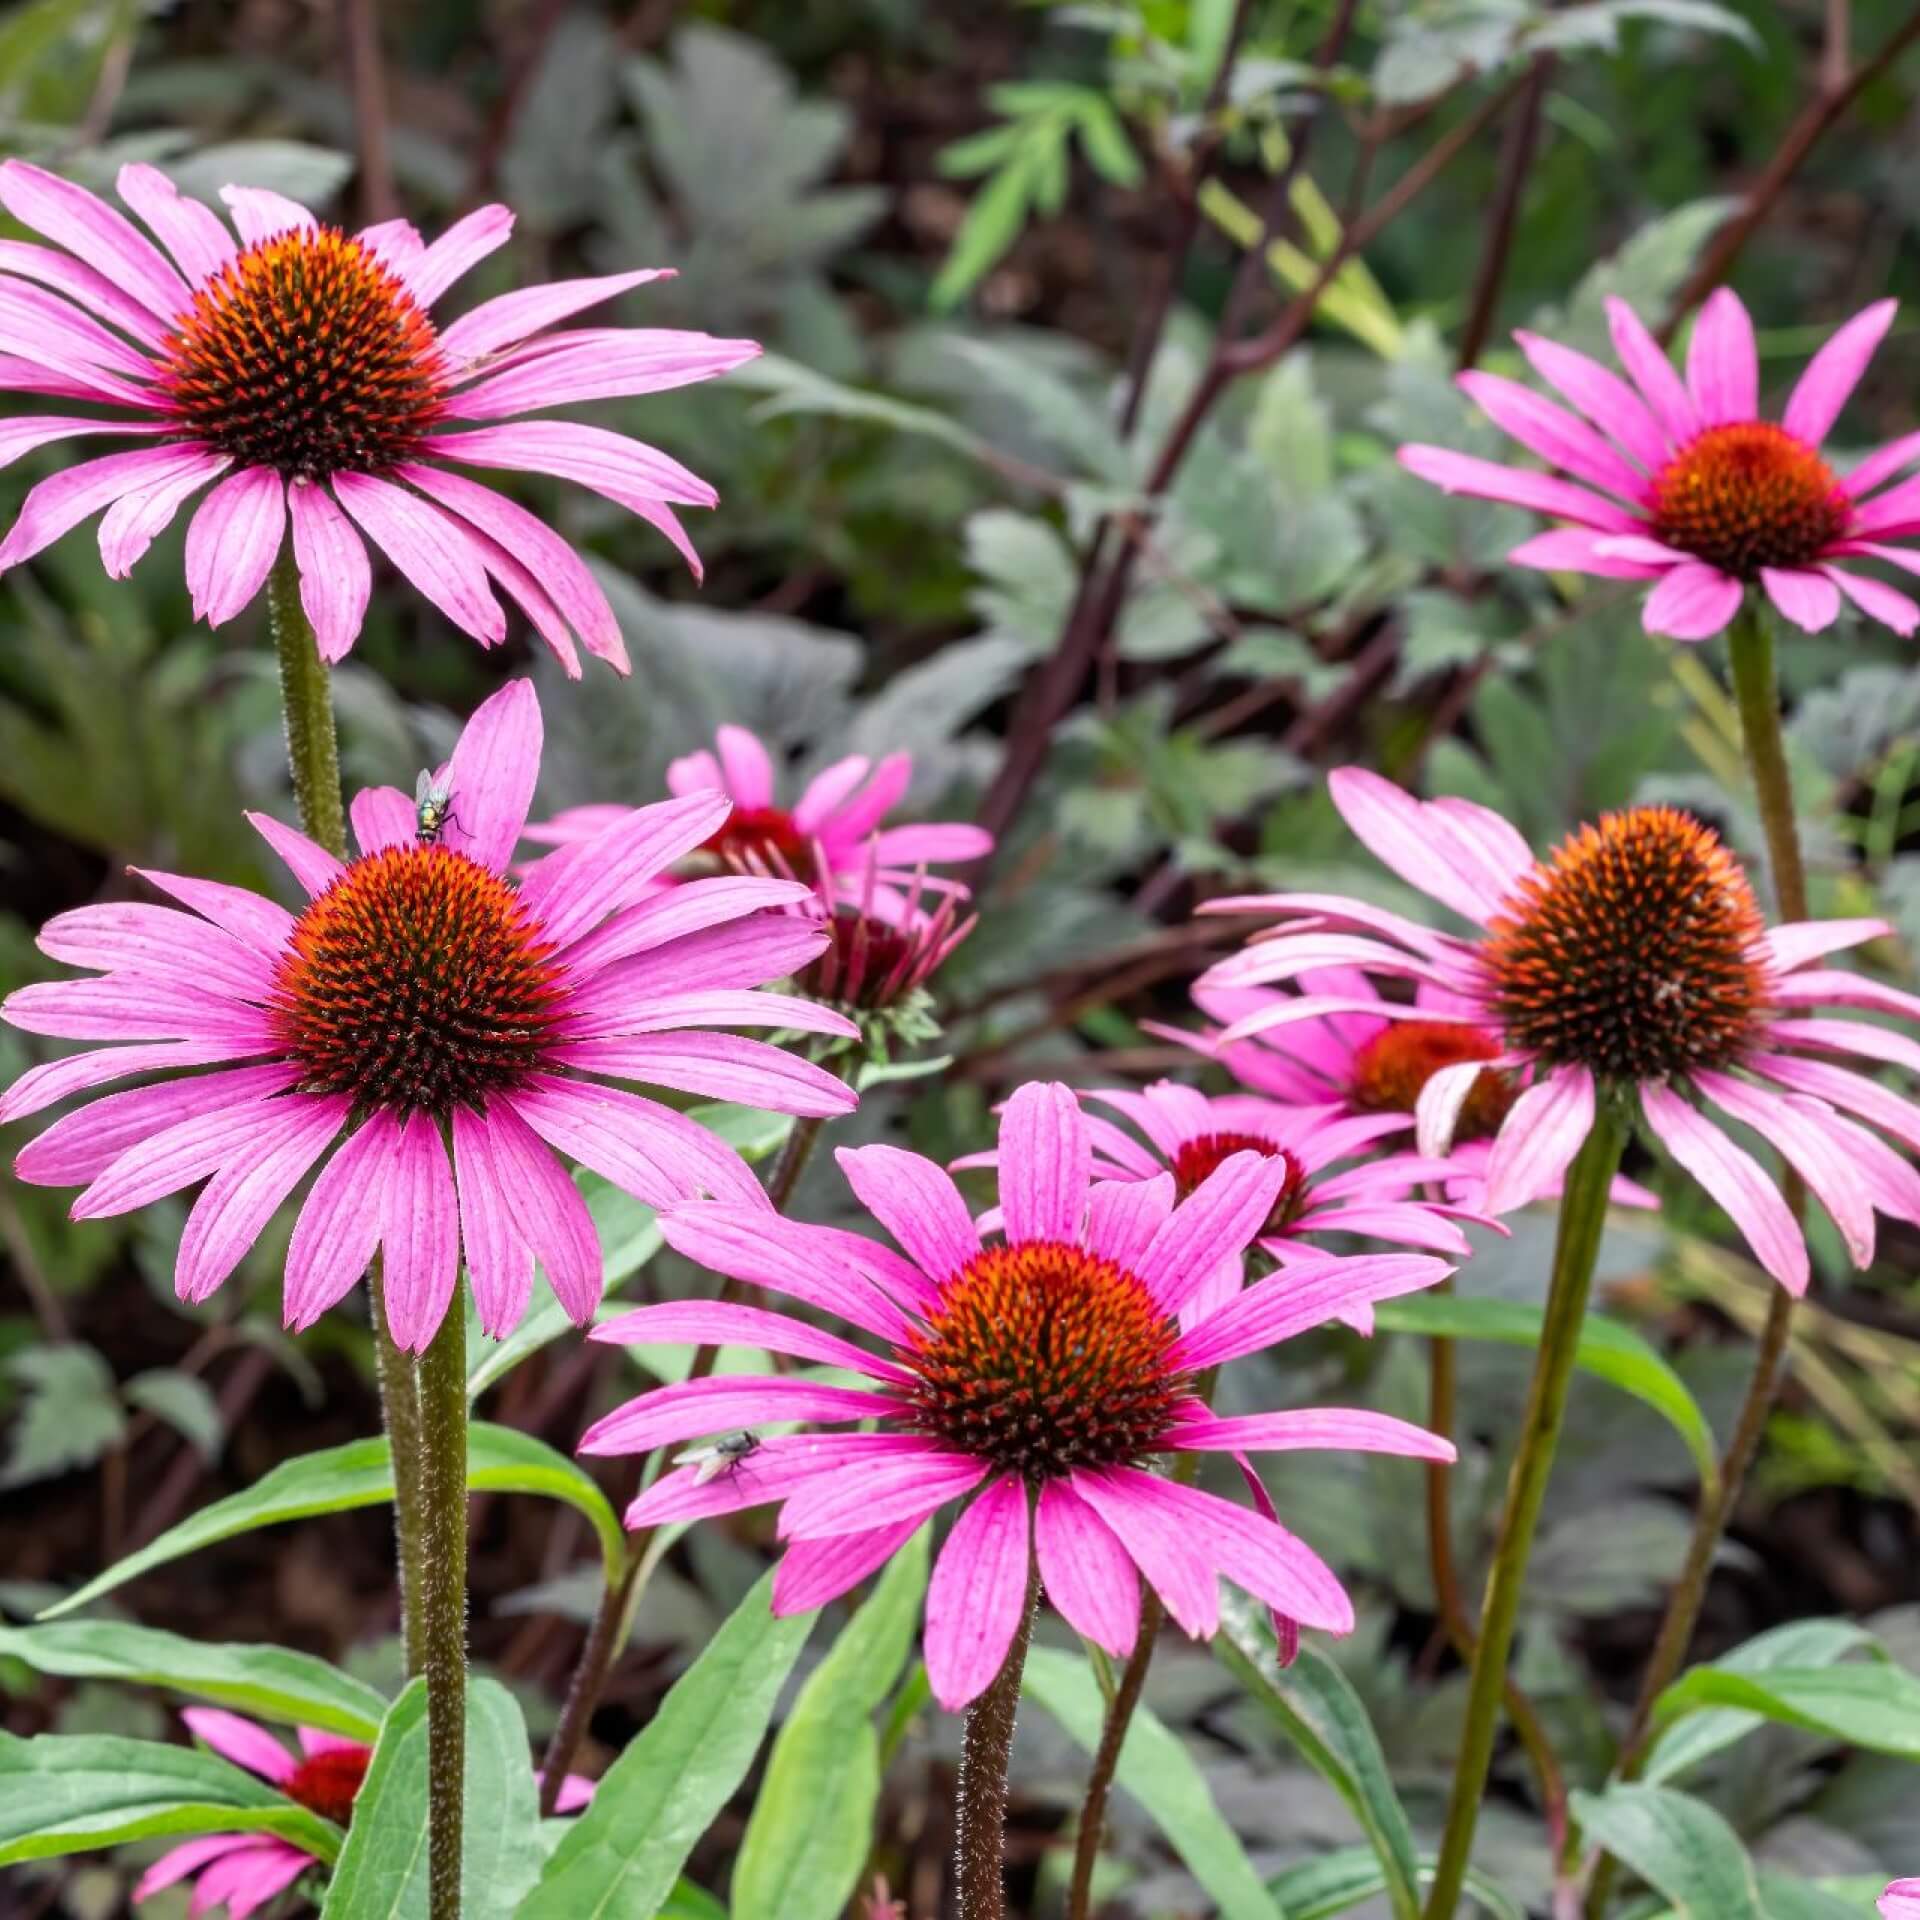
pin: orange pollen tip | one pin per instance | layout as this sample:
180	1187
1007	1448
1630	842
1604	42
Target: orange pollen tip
329	1782
308	355
1392	1068
1749	496
1205	1153
1042	1357
1634	950
417	984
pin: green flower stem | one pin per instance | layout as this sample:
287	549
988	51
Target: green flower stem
1757	695
306	700
1583	1212
443	1599
985	1748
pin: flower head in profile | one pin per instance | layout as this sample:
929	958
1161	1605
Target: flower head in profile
1033	1376
1901	1901
1631	964
837	825
296	370
1682	483
243	1872
431	1036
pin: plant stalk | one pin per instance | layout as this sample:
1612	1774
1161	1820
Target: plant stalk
1583	1212
986	1746
442	1607
1757	695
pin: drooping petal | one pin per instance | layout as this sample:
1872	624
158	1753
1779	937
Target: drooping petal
1693	602
160	943
85	286
712	1323
1089	1576
178	1862
339	1227
336	578
55	1080
607	363
420	1234
610	463
549	1213
1296	1300
1333	1429
1437	1111
499	1263
1397	831
977	1595
262	923
233	542
91	230
719	1066
1877	600
428	546
1809	600
780	1464
1537	1141
1176	1562
1853	1092
690	1408
1516	487
244	1880
137	519
1555	435
814	1572
1579	550
898	1486
62	500
1834	372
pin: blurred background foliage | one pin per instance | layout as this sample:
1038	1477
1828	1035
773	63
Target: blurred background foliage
947	222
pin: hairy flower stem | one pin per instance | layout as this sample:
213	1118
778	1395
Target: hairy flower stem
443	1600
980	1845
306	701
1583	1212
1757	695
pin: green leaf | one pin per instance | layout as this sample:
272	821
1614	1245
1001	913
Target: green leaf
1318	1711
1799	1644
184	1402
1872	1704
382	1873
992	225
1338	1882
1161	1774
626	1850
1607	1350
812	1822
274	1682
68	1793
361	1475
69	1415
1678	1845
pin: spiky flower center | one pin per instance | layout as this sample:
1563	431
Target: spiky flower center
760	839
1391	1069
306	354
1042	1357
1205	1153
1748	496
328	1782
1634	950
869	964
416	983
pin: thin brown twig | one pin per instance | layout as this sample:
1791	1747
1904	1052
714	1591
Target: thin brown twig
366	74
1516	160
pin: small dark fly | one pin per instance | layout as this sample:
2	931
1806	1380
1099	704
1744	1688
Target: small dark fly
723	1455
432	808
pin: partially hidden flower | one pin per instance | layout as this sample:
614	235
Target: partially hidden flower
1032	1376
242	1872
1682	483
296	366
1901	1901
1634	964
837	824
421	1001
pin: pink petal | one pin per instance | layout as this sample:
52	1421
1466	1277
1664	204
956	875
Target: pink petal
561	572
1087	1573
746	766
317	1740
1809	600
420	1230
1840	1088
85	286
930	844
248	1187
1436	1112
720	1066
491	777
510	317
1652	372
1295	1301
64	499
464	245
1901	1901
686	908
190	232
260	214
1577	550
829	790
1124	1215
1398	832
605	364
977	1595
814	1572
246	1879
92	231
862	812
309	862
383	817
1216	1223
1827	1036
499	1263
1723	365
917	1202
1044	1164
180	1861
21	436
1877	601
1800	941
1834	372
240	1741
339	1226
1881	465
1516	486
429	547
129	1006
336	578
693	1407
610	463
904	1486
1175	1558
714	1323
160	943
700	967
1555	435
1692	603
262	923
1537	1141
778	1466
1735	1180
1603	397
137	519
233	542
548	1213
40	1087
1334	1429
1894	514
396	244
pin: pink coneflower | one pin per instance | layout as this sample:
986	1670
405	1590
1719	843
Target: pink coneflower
244	1871
1633	963
1036	1374
297	367
836	823
1901	1901
418	995
1682	483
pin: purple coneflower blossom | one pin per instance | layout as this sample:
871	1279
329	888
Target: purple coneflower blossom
835	825
1682	483
242	1872
1901	1901
1033	1377
1633	963
296	366
422	998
